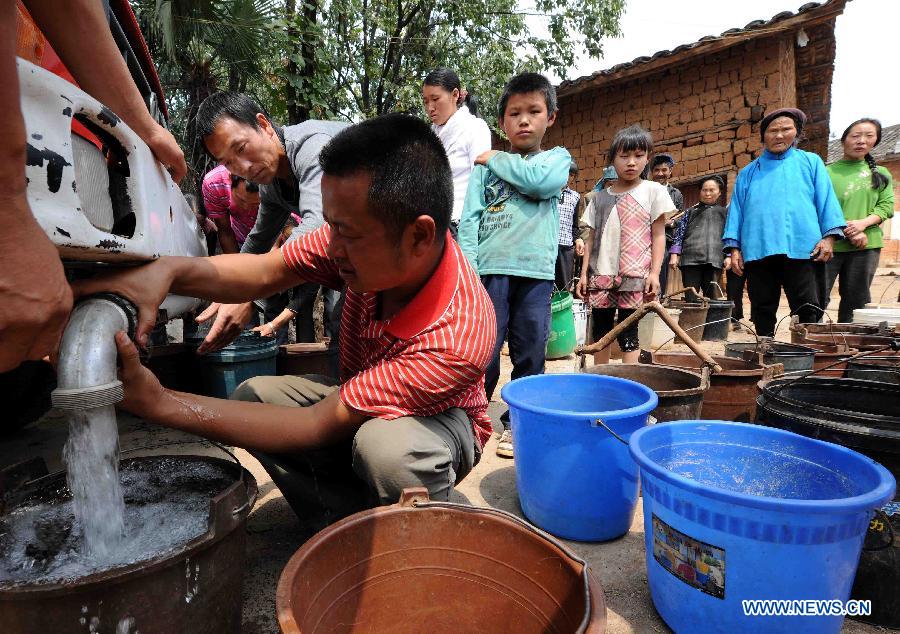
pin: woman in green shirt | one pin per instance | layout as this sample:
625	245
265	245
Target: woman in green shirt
866	196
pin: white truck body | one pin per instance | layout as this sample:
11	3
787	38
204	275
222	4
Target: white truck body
127	213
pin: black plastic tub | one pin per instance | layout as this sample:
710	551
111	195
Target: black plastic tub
864	416
882	369
718	320
861	415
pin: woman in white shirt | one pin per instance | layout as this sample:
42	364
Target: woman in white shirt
453	113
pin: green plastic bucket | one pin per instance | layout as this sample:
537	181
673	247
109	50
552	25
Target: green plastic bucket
561	342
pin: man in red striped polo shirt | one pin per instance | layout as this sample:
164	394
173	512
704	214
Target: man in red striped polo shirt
417	332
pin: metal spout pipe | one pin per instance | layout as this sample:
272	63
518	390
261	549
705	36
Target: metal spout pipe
86	375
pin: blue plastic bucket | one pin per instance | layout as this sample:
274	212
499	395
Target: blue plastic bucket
574	479
248	356
736	512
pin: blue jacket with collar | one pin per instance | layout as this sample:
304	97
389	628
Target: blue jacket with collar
782	204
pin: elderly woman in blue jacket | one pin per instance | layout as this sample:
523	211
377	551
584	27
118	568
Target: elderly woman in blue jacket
783	220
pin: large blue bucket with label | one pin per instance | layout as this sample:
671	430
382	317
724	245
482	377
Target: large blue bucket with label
575	480
736	512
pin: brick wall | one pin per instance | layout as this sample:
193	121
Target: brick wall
704	111
815	67
701	112
890	254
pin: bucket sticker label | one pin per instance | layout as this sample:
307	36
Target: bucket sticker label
698	564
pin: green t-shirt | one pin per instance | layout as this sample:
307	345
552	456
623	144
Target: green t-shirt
852	181
510	219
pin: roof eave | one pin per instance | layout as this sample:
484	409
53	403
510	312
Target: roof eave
704	46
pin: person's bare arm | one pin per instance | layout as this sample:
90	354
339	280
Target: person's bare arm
79	33
581	287
226	235
260	426
269	329
232	279
36	297
657	253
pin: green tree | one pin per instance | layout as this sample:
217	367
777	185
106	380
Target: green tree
305	85
200	47
377	52
356	58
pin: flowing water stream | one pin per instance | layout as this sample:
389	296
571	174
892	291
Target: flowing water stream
91	455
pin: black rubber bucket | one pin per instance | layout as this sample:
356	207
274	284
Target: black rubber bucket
865	416
882	369
862	415
878	572
718	320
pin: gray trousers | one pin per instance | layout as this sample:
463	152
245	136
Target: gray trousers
371	469
854	271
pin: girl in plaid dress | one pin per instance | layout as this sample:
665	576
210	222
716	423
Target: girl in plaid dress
626	242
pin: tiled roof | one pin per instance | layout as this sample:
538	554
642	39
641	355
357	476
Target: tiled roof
757	28
890	144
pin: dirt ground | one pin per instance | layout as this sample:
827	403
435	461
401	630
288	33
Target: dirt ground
275	532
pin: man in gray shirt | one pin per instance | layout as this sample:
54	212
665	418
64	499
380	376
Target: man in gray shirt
284	161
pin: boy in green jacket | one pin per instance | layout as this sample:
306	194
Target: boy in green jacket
509	228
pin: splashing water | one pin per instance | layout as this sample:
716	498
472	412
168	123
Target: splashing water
91	455
167	505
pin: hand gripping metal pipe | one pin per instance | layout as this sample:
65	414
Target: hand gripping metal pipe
86	376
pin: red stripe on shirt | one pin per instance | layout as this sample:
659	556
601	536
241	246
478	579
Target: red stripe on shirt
438	366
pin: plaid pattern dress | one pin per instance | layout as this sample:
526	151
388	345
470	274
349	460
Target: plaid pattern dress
604	291
620	256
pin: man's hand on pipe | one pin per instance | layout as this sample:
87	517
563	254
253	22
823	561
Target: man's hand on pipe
143	391
145	286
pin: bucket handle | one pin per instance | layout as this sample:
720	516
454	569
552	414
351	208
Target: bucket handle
599	423
882	523
656	307
417	497
684	290
704	378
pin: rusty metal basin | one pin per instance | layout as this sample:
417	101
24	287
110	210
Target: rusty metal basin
800	331
305	358
860	342
680	391
195	588
732	392
421	566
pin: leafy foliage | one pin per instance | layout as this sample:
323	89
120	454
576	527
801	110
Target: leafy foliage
378	51
358	58
200	47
